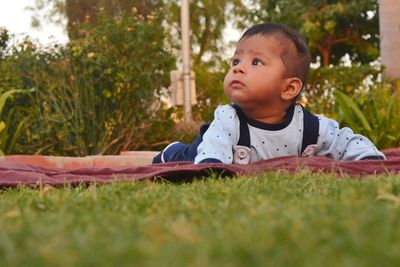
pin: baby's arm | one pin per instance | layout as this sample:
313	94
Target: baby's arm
343	144
220	137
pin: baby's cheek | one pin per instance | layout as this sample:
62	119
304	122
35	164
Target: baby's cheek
226	81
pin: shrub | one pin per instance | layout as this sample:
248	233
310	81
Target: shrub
209	90
322	83
357	98
99	94
374	113
14	115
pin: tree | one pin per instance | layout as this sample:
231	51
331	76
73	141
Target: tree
389	25
4	38
98	94
55	12
80	11
77	12
208	19
332	27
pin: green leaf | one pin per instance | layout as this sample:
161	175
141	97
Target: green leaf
16	134
7	94
2	126
348	106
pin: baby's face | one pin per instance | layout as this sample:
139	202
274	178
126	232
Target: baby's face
256	76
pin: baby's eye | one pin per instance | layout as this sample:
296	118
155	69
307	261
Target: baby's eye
256	62
235	61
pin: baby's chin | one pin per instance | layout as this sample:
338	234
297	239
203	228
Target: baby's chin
237	99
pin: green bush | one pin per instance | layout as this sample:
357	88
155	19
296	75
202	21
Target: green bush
322	82
100	93
374	114
209	91
357	98
14	114
10	130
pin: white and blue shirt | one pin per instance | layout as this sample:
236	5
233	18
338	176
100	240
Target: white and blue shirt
278	140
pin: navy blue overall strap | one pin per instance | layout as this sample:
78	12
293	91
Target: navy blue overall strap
310	129
244	136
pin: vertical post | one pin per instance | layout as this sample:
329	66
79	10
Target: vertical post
187	105
389	28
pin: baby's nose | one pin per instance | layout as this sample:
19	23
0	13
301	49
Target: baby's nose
238	68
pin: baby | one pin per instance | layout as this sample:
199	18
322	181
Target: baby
268	72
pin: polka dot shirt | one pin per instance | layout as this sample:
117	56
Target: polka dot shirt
277	140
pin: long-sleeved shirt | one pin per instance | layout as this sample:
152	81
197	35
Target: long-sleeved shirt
277	140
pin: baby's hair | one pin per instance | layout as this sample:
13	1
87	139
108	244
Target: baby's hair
297	61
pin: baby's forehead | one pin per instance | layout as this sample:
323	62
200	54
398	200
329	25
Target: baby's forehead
275	40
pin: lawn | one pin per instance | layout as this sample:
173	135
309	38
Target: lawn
275	219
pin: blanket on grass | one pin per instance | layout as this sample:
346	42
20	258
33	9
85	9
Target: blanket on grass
13	174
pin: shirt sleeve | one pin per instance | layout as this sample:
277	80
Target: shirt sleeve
342	143
221	136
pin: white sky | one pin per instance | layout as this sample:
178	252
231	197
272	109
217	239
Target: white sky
18	21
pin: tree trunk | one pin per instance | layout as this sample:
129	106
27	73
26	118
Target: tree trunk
389	27
326	55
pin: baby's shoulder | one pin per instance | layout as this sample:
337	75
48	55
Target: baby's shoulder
326	122
225	112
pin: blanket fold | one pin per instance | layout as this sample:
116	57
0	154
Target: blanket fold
16	173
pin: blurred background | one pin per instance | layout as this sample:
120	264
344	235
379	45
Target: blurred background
18	18
85	77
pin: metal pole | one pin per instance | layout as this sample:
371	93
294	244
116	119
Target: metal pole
187	105
389	28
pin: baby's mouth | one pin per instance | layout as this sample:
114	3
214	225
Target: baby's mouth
236	83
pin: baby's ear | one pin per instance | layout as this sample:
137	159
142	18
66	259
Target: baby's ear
292	89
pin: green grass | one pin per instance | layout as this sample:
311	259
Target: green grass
274	219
